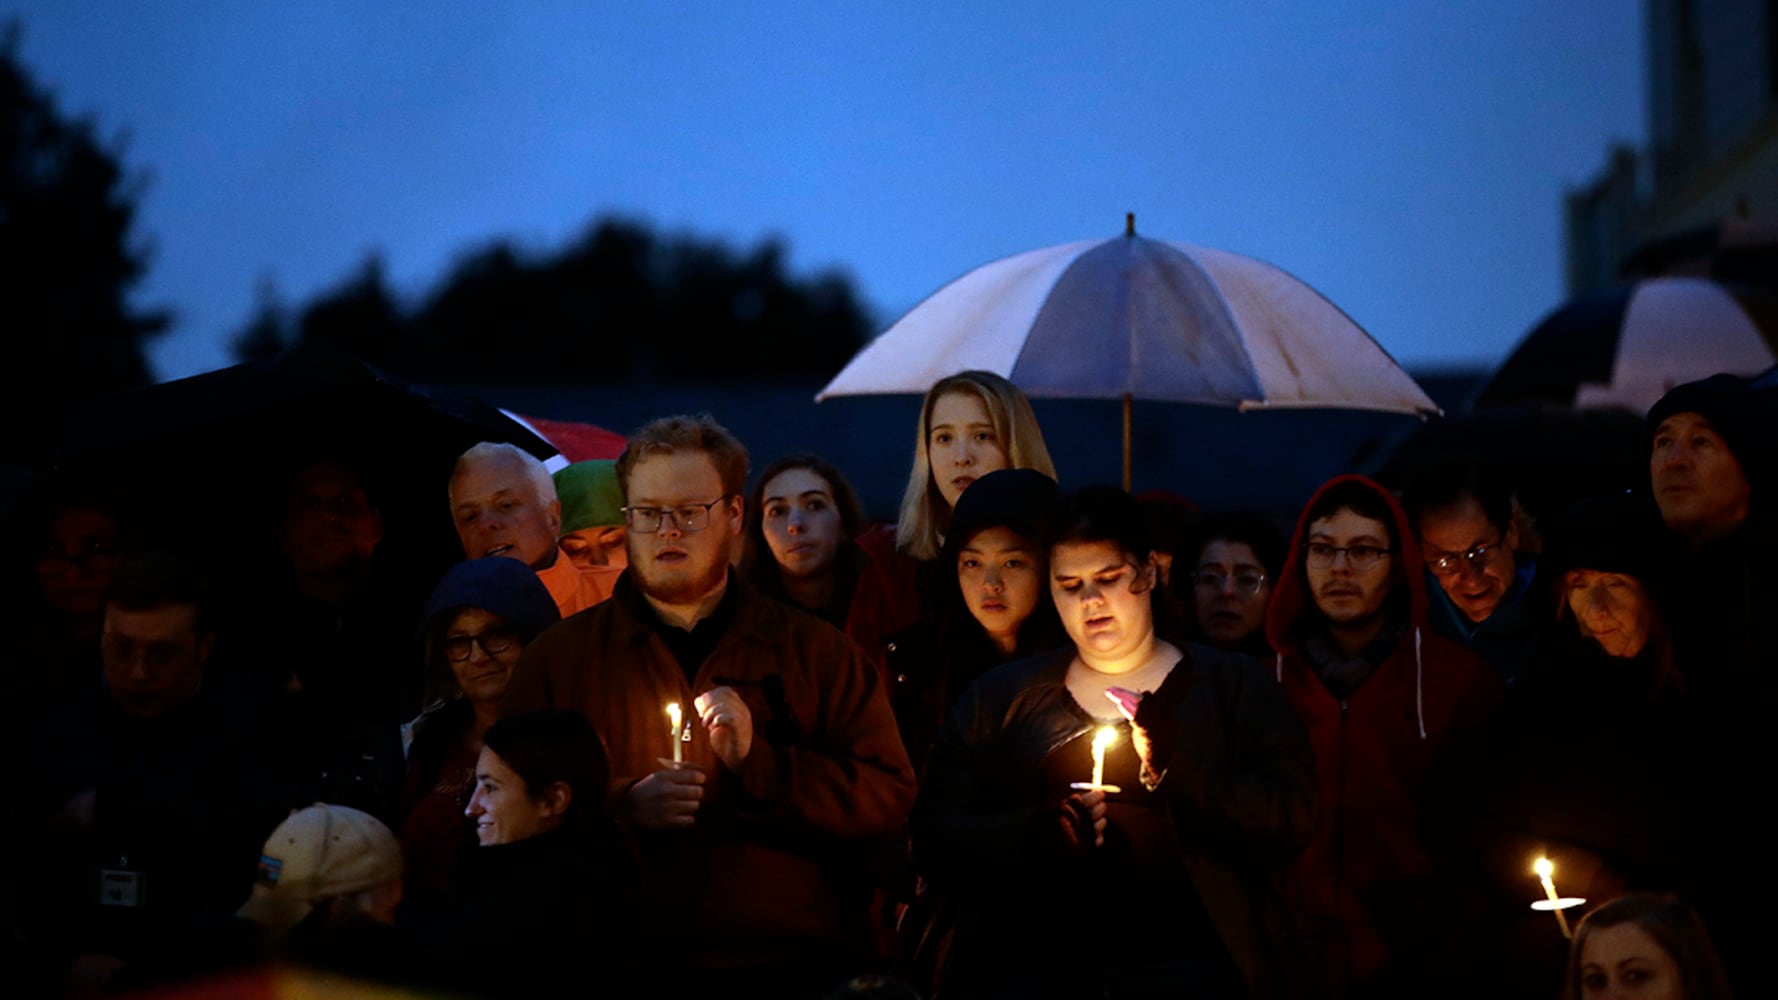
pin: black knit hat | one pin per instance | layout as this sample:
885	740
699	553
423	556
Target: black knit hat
1022	500
1743	416
1616	533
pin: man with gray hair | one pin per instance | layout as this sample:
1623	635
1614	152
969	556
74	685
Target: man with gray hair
503	503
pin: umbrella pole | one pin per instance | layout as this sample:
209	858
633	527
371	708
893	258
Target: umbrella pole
1126	442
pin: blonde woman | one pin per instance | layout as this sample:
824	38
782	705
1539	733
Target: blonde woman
971	423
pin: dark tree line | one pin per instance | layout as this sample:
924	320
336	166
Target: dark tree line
68	260
620	303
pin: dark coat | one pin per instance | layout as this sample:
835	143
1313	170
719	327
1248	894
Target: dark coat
1238	793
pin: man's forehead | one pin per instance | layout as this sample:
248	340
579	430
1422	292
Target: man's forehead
493	476
161	621
1686	420
678	470
1348	522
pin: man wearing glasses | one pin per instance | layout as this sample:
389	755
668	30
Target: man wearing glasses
1462	515
756	796
1396	715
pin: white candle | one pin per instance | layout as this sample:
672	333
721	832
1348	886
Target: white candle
673	718
1101	739
1546	872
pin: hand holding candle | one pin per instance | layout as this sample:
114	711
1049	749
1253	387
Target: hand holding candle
1554	902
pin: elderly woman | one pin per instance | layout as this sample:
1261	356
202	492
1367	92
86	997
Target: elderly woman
971	424
803	520
478	620
1153	881
1590	757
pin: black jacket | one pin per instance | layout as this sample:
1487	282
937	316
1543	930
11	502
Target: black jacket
1238	792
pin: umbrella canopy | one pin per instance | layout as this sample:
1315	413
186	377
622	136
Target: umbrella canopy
1627	347
208	457
1132	317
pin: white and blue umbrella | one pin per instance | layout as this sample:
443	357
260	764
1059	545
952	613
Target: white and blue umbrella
1136	318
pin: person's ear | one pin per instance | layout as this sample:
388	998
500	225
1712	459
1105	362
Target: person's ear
555	518
556	799
1147	572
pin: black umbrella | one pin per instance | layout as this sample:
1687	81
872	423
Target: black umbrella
205	458
1626	347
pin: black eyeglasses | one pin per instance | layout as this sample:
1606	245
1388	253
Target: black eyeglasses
688	516
492	641
1246	582
1476	557
1320	555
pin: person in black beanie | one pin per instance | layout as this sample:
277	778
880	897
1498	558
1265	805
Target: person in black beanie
1713	475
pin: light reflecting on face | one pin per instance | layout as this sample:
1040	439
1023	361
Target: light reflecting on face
77	555
483	676
329	522
961	444
503	810
1612	609
1103	596
1698	483
1227	612
672	565
998	571
800	522
1624	961
595	547
1345	596
1476	586
154	660
499	512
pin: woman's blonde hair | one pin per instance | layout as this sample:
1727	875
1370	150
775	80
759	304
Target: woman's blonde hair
924	513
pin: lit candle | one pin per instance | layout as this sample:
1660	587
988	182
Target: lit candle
673	724
1101	739
1555	903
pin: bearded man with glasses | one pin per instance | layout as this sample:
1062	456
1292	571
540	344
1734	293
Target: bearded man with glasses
753	834
1397	715
1464	518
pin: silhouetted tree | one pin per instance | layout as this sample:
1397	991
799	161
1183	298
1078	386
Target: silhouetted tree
620	303
67	262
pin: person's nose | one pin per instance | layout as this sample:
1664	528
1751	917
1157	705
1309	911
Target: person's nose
478	653
474	808
795	525
669	525
139	672
992	580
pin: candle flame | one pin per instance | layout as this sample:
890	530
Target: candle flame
1106	736
673	715
1543	868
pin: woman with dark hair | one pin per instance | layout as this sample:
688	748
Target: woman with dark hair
478	620
1151	879
1649	947
998	610
550	881
803	521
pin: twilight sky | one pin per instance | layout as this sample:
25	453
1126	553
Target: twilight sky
1406	158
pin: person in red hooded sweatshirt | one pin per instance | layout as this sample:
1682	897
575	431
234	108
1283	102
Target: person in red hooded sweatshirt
1396	715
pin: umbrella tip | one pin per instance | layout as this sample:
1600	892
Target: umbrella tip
1129	223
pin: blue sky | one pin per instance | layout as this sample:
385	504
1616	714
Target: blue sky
1406	158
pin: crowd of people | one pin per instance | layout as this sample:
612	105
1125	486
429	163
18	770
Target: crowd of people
665	726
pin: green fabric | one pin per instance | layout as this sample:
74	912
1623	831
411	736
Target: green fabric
590	496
